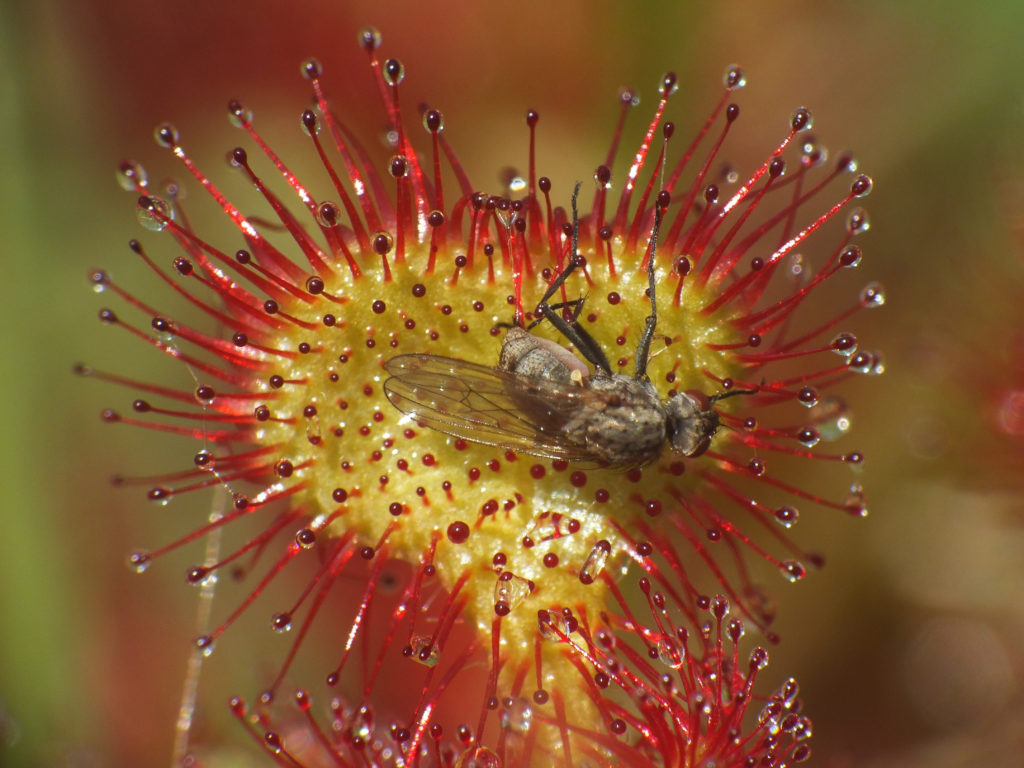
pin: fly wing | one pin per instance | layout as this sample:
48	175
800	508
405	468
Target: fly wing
487	405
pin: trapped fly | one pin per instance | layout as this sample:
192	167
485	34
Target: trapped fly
544	401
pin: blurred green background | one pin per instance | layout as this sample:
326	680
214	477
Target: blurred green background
908	645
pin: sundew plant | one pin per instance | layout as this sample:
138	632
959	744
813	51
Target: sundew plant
540	610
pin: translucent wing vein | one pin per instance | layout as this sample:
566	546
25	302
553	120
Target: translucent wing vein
486	405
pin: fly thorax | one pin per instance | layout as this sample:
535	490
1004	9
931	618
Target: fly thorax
630	427
690	423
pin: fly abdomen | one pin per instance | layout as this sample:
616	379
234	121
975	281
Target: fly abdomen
531	357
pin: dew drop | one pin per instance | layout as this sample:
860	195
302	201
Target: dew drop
787	516
844	344
517	715
861	186
423	652
328	214
669	84
858	222
668	653
808	436
311	68
369	38
159	495
719	606
545	624
759	658
801	120
99	280
166	135
595	562
458	532
478	757
383	243
139	561
273	741
855	501
239	115
792	570
130	175
204	644
315	286
603	177
877	364
281	622
860	362
433	121
736	630
807	396
510	589
851	257
768	716
812	153
873	295
154	213
393	72
734	77
399	166
799	269
309	122
789	690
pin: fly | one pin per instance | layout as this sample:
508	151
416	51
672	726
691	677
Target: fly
543	400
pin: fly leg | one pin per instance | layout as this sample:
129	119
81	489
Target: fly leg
577	308
572	330
643	349
543	307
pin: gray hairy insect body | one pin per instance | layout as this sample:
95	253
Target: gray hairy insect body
621	420
543	400
628	428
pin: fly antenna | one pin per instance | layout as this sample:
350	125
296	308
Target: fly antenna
733	392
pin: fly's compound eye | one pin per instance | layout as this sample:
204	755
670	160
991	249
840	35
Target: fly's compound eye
700	401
